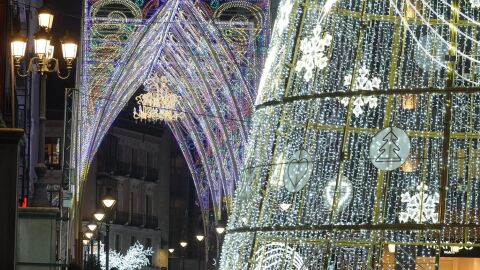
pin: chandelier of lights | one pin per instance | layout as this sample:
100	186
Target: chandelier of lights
159	103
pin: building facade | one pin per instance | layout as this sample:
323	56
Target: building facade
137	169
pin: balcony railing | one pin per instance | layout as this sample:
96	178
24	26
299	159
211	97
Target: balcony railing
121	218
123	168
137	220
151	222
152	175
137	171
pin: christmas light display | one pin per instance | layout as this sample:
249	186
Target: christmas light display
136	257
158	104
405	71
211	60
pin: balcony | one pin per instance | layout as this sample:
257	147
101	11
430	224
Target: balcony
121	218
137	171
151	222
137	220
123	168
152	175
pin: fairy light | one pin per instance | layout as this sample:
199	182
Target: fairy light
329	114
211	66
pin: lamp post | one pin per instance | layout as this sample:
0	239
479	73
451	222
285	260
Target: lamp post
89	237
200	238
108	201
43	62
183	244
85	242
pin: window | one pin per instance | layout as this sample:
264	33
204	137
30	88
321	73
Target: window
132	204
117	242
52	152
132	240
148	206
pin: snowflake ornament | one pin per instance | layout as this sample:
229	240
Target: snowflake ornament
362	82
421	207
313	53
284	16
475	3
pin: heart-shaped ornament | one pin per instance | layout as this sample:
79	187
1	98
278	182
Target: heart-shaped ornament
344	193
298	171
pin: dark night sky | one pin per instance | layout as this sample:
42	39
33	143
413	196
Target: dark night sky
68	16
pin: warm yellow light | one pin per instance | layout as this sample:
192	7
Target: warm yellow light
92	226
183	243
409	165
171	250
391	248
18	45
454	249
41	43
45	18
220	229
89	234
85	241
69	48
409	102
108	201
99	215
200	237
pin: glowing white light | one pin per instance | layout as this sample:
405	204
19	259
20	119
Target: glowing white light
135	258
421	207
275	256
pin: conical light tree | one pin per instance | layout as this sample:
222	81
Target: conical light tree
343	82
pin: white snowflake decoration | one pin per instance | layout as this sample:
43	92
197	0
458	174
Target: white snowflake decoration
284	16
475	3
135	258
313	53
362	82
421	207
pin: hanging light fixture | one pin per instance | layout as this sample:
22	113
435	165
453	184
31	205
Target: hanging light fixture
158	104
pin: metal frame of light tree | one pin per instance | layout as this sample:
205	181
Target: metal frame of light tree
296	110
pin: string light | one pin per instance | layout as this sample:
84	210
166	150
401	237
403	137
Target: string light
427	47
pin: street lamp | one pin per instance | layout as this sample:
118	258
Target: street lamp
171	250
99	215
43	62
89	234
183	244
92	226
45	18
108	201
220	229
200	238
85	242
